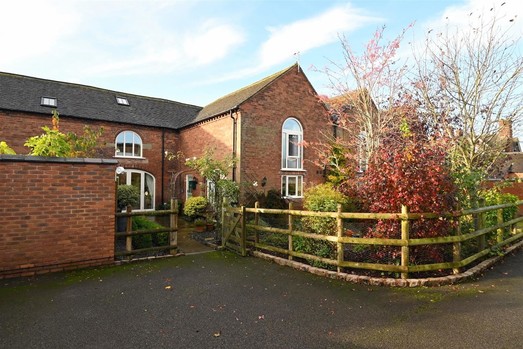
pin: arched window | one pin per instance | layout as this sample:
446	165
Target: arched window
292	149
128	144
145	182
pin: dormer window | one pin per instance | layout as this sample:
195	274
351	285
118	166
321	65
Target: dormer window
122	100
48	102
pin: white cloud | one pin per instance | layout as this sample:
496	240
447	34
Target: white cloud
307	34
211	43
33	28
301	36
509	14
78	40
165	54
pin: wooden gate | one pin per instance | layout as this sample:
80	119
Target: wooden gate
234	229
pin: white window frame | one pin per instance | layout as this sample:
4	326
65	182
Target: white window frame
362	158
210	192
122	100
128	180
285	186
285	157
136	139
48	101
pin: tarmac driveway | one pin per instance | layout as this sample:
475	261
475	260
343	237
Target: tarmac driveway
220	300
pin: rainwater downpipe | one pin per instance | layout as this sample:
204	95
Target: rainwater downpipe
234	140
163	162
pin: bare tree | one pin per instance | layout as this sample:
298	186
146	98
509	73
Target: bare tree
365	87
469	80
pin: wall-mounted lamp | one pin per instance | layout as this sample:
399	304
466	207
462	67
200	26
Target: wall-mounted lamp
119	170
264	181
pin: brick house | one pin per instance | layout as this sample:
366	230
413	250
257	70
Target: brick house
262	125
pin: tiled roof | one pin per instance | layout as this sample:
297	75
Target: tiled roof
234	99
23	93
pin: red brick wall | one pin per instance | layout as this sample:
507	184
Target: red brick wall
55	214
262	119
16	128
216	134
516	189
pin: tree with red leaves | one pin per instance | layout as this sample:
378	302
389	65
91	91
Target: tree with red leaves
410	168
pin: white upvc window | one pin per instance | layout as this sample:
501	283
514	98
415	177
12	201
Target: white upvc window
211	192
145	182
292	148
128	144
362	153
292	186
48	101
122	100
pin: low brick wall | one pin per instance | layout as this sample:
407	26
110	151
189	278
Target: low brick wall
516	188
55	214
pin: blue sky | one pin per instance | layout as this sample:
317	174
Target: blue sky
197	51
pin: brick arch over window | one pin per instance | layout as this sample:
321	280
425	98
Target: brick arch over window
292	148
128	144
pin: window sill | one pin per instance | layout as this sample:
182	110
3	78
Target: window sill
293	170
129	157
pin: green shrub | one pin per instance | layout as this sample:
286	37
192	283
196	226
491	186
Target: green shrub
51	143
127	195
148	240
195	206
145	240
5	149
494	196
321	198
54	143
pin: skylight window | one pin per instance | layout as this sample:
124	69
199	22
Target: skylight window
122	100
48	101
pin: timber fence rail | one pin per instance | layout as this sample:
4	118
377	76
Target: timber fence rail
470	240
128	234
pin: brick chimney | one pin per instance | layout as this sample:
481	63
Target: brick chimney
505	134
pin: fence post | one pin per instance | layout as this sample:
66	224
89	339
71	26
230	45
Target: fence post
405	239
173	224
128	229
256	221
291	228
243	236
481	225
224	224
500	232
456	246
339	234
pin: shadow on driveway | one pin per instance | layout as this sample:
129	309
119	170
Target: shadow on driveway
221	300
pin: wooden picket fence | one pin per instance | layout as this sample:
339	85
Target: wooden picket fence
172	247
237	228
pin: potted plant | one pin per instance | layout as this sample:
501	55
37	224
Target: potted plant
209	224
199	224
126	195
